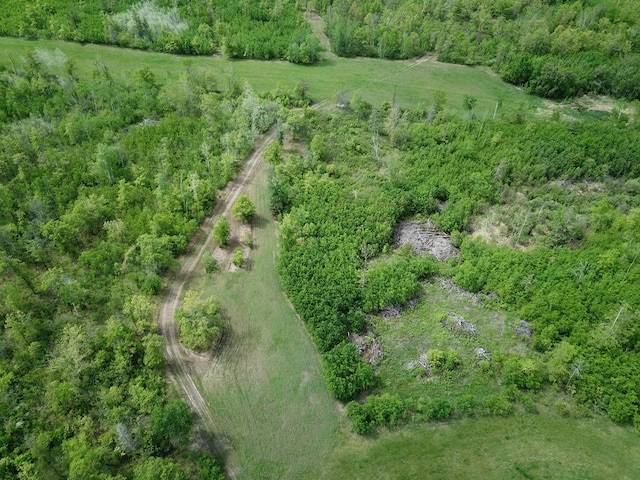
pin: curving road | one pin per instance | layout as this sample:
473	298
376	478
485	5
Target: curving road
178	358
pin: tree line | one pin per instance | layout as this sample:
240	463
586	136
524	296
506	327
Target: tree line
552	49
250	29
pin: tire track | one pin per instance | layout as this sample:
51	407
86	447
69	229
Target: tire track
178	359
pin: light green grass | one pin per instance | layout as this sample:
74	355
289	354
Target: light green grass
517	447
376	79
265	386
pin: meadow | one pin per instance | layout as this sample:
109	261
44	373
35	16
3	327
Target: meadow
524	446
410	84
264	384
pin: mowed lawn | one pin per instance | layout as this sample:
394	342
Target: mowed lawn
377	80
265	386
517	447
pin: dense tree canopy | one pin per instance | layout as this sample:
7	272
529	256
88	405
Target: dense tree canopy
554	49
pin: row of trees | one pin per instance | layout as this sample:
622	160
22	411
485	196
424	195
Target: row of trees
339	201
102	182
250	29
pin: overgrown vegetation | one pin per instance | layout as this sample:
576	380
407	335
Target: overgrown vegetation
199	321
103	182
581	307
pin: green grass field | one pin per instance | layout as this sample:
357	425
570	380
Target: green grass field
265	387
517	447
377	80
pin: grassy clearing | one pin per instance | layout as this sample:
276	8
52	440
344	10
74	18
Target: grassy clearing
377	80
264	385
517	447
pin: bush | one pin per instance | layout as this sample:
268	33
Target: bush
442	361
438	409
345	372
199	321
210	264
222	232
466	404
496	405
238	257
379	410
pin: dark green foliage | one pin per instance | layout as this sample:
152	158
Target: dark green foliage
387	409
210	264
264	31
346	373
249	30
565	190
524	373
394	282
103	181
438	408
170	426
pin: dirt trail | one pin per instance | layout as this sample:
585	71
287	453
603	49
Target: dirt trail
317	24
181	361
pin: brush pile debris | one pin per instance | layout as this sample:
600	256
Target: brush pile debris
425	238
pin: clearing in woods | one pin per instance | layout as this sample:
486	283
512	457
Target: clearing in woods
522	446
263	383
410	83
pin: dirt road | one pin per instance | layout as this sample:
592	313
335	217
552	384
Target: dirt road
181	361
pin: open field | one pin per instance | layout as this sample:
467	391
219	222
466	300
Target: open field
264	384
377	80
517	447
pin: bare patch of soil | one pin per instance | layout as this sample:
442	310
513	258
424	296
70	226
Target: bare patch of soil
424	239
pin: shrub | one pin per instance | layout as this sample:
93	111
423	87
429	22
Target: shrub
221	232
210	264
345	372
199	321
238	257
438	408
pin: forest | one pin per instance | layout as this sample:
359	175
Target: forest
106	177
553	49
104	181
251	29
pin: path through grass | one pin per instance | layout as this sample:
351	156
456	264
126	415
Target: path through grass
264	386
377	80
